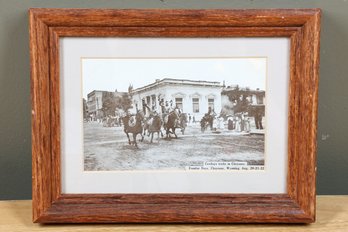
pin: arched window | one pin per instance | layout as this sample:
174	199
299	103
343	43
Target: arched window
178	102
211	103
195	105
179	99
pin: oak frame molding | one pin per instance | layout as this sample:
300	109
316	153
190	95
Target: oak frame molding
302	26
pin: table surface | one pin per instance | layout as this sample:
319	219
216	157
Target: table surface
332	215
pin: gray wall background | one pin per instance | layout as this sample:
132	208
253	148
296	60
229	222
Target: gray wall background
15	138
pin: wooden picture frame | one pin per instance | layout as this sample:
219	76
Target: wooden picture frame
302	26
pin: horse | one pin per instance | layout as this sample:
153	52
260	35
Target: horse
206	121
133	124
182	123
170	123
153	125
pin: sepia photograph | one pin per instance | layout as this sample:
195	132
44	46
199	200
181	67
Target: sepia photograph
190	114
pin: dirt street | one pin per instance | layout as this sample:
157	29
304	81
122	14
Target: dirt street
107	148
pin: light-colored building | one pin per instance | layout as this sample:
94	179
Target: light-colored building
192	97
95	100
95	103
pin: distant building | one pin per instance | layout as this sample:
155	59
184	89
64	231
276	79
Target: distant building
84	108
191	96
95	104
95	100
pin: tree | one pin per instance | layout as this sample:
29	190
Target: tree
113	101
109	103
124	102
239	98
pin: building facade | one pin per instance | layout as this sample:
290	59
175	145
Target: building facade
95	100
95	104
192	97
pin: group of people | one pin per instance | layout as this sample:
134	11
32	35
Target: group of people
165	107
110	121
239	122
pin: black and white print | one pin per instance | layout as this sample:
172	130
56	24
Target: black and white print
174	114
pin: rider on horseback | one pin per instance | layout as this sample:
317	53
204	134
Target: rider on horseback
208	119
153	123
211	115
166	109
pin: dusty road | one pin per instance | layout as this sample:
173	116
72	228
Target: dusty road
107	148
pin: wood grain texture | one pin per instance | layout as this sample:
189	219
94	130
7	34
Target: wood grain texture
55	113
41	123
181	18
193	32
332	215
297	206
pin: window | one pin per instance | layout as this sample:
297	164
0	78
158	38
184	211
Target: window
195	105
259	99
154	100
178	102
211	103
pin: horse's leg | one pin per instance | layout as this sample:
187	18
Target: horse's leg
158	135
165	130
168	132
160	130
182	128
173	129
152	136
129	142
135	140
142	137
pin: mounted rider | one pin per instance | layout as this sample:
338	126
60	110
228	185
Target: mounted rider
209	118
211	112
165	109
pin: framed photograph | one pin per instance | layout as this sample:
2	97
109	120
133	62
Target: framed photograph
174	116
